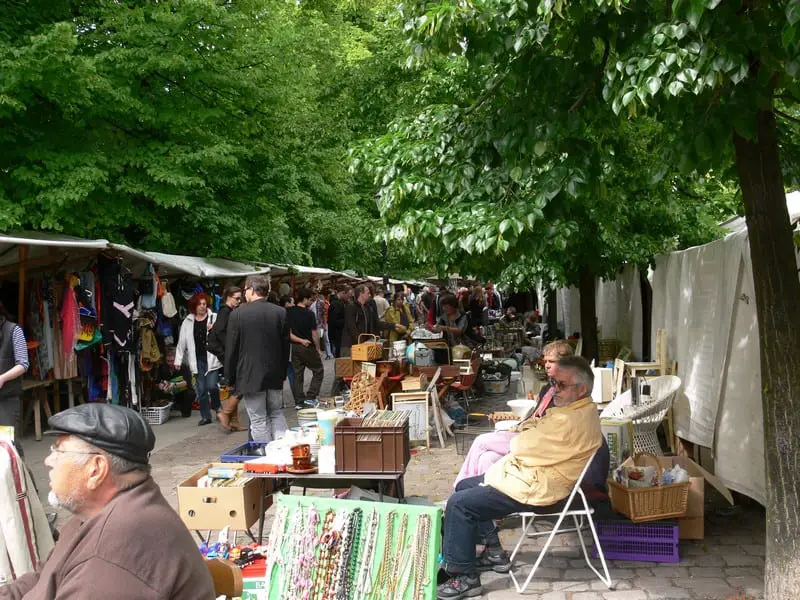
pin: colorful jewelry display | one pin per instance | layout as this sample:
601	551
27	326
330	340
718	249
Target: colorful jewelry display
334	558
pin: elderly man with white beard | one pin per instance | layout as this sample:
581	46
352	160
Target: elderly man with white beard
124	540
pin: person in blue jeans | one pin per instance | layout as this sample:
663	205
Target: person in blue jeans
545	461
192	348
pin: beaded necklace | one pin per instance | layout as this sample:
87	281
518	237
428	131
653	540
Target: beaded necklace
274	542
325	549
422	538
382	583
302	556
342	588
364	573
399	556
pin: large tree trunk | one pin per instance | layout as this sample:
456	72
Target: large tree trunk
588	314
647	315
552	311
777	291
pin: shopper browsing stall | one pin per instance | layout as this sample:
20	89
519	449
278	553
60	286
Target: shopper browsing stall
232	298
452	322
358	319
256	357
13	365
193	350
305	338
399	315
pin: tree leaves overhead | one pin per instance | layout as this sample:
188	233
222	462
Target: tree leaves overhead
195	126
523	165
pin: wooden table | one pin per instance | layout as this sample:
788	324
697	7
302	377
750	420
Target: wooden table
284	481
38	390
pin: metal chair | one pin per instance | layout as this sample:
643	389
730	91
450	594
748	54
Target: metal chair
577	507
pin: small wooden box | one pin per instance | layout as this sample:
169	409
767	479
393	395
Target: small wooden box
419	382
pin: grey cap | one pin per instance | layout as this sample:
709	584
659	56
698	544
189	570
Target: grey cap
115	429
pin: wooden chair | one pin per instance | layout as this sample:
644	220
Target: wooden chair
227	578
659	364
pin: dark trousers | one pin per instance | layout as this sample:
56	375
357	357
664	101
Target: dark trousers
306	358
335	336
469	519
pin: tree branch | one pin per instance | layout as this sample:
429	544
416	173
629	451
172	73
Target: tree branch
598	76
786	115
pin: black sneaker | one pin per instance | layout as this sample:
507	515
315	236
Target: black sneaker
460	586
493	560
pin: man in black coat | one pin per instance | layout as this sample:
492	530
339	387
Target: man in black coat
358	318
256	358
336	320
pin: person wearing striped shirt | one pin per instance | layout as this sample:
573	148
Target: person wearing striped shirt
13	365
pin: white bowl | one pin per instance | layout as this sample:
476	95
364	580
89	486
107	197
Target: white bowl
521	407
505	425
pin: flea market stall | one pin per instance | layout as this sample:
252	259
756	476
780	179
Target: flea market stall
102	315
704	298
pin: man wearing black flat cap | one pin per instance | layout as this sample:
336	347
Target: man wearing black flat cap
124	541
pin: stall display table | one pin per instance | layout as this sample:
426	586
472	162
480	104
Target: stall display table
284	481
38	389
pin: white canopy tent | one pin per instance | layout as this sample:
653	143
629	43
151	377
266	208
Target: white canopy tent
704	297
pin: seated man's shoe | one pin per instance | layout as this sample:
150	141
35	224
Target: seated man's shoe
460	586
493	559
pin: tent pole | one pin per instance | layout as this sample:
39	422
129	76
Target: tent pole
23	258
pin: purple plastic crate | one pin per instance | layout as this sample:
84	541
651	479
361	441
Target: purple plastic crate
649	542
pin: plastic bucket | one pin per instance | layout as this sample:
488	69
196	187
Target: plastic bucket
327	420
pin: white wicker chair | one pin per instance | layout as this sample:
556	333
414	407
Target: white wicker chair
647	417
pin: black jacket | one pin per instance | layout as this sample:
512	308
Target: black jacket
357	320
215	343
257	347
336	314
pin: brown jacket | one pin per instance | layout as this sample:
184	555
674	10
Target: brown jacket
136	548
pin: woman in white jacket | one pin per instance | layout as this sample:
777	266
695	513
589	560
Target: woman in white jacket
192	349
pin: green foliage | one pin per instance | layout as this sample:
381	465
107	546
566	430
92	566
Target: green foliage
195	126
518	163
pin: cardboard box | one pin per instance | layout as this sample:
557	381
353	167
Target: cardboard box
692	525
619	437
216	508
254	582
602	392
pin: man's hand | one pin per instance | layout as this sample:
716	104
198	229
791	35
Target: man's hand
306	343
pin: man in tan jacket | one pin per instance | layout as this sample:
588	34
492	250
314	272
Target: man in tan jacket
545	461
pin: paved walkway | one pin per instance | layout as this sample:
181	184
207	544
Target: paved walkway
728	562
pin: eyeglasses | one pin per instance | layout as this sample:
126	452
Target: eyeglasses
562	385
237	298
55	450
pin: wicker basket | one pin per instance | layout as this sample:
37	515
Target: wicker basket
367	350
650	503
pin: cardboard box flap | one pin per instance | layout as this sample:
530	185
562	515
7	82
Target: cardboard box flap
715	482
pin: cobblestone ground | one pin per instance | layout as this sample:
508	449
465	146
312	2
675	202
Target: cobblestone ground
728	564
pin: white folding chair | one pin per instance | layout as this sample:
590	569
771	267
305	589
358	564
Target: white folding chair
577	515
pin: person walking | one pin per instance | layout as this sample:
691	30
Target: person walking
231	299
193	349
256	358
13	364
336	320
304	336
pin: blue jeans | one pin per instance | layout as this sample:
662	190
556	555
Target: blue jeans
207	387
469	519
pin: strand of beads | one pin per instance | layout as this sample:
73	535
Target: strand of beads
303	555
355	554
274	542
327	541
399	557
422	537
289	551
343	573
364	573
387	564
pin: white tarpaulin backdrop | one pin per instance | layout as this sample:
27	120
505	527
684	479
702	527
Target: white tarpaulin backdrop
705	300
619	309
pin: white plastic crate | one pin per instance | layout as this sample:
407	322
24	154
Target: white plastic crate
156	415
